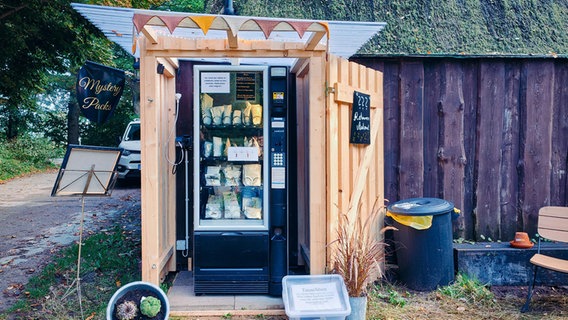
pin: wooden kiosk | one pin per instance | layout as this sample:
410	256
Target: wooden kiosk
332	175
335	176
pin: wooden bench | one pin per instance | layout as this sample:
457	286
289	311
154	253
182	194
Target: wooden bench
552	225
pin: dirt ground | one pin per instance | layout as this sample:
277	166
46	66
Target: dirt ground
33	225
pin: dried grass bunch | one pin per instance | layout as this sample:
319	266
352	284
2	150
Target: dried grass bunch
357	254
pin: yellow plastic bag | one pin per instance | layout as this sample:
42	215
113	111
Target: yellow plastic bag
416	222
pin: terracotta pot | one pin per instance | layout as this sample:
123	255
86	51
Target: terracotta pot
521	241
142	286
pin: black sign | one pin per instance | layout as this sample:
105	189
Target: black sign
246	86
98	90
361	119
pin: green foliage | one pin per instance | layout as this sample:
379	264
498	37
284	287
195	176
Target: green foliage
150	306
390	295
468	289
141	4
26	154
196	6
439	27
45	45
40	38
462	240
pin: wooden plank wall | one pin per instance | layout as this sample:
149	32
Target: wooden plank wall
355	173
490	135
157	181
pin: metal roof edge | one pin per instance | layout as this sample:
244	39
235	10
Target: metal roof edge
159	12
345	37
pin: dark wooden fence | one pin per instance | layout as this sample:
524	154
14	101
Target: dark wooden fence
488	134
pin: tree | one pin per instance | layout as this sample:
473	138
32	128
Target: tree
45	42
39	38
196	6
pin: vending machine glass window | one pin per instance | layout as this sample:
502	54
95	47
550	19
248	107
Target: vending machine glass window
230	147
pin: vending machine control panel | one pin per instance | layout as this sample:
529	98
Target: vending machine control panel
278	100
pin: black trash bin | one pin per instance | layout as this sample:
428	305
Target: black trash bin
425	257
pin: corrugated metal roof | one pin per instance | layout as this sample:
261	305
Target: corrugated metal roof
345	37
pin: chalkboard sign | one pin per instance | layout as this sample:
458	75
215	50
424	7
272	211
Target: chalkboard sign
361	119
246	86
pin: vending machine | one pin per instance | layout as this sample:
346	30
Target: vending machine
240	179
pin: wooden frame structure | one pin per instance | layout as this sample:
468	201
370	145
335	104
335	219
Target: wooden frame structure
335	176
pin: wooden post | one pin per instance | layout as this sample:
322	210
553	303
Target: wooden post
317	143
150	189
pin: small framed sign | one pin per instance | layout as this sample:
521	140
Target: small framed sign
361	119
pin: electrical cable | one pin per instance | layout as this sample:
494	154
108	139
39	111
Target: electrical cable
166	149
185	253
175	163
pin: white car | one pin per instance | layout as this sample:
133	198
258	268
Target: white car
129	163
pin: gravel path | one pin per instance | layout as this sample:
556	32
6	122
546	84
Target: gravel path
34	225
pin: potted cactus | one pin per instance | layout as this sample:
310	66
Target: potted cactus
138	300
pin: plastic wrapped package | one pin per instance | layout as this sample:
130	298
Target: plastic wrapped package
214	207
237	118
217	114
231	204
213	176
252	175
232	175
227	112
217	146
206	104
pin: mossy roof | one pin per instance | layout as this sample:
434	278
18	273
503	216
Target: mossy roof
440	27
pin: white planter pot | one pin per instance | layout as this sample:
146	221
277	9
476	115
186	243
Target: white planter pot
142	285
358	308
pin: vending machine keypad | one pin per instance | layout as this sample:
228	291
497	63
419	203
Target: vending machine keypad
278	159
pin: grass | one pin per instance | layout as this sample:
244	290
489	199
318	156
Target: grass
470	290
464	299
109	259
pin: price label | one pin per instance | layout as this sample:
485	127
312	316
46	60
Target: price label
242	154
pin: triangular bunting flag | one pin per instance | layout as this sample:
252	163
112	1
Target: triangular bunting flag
140	21
134	41
266	26
300	26
326	26
172	21
204	22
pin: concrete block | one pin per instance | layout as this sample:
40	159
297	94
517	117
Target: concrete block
499	264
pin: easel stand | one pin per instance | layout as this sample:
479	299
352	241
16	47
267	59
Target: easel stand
86	171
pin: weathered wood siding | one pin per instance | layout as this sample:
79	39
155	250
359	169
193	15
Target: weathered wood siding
490	135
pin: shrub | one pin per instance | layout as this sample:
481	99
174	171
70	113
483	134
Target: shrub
26	154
